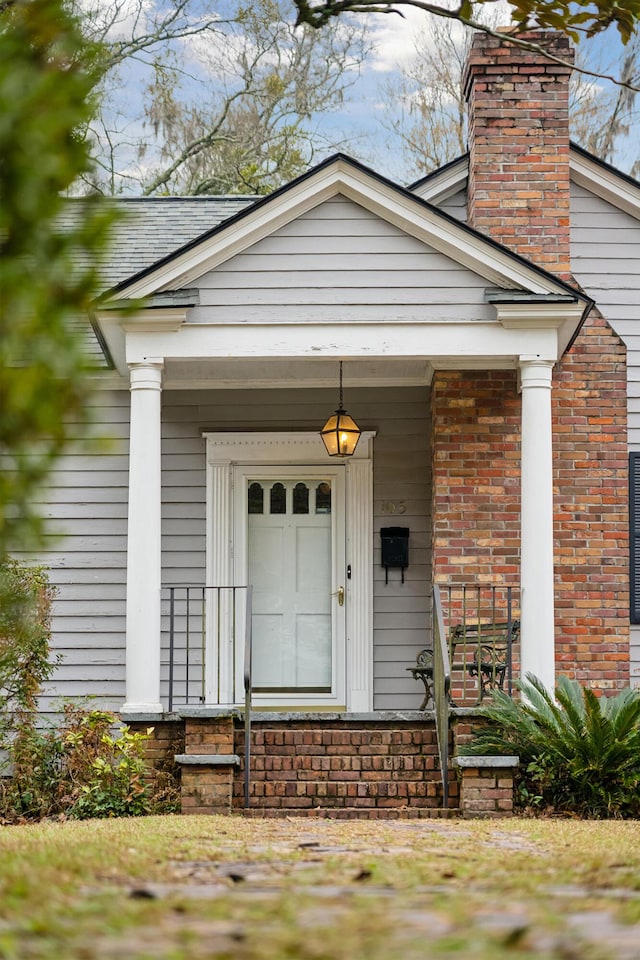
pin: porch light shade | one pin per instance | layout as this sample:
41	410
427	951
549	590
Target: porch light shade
340	434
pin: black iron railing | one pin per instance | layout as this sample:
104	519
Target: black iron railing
441	691
204	636
248	686
482	624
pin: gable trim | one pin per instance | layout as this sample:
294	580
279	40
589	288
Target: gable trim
345	177
605	181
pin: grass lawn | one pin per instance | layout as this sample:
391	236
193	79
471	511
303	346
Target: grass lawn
190	888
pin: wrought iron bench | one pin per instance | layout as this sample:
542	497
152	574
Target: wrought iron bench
484	650
423	670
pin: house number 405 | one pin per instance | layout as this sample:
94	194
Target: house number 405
394	506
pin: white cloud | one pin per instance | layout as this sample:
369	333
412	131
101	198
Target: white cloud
395	36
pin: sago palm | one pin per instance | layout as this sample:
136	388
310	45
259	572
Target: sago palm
577	751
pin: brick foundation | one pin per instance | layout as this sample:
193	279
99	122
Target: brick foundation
208	765
339	768
165	741
206	789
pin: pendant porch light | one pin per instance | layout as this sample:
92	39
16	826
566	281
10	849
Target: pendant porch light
340	433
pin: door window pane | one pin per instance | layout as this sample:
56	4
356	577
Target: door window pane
255	498
278	498
301	498
323	497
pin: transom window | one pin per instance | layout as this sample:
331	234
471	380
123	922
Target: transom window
297	499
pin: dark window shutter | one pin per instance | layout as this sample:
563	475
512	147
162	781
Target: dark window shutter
634	535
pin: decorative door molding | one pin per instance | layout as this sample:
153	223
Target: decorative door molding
227	450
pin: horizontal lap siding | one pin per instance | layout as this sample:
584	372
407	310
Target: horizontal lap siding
401	476
605	252
456	205
86	506
339	262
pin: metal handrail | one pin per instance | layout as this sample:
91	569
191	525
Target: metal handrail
194	612
441	691
248	656
483	627
181	596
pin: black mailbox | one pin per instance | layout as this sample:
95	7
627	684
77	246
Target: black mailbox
395	549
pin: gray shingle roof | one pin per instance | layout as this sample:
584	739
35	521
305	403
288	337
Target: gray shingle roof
154	227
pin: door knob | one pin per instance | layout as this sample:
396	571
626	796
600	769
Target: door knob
340	595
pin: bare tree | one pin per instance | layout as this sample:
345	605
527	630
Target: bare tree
577	19
224	105
426	112
603	115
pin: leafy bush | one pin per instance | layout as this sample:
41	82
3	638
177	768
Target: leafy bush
579	753
25	608
83	769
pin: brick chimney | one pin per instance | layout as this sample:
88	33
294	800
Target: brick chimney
519	146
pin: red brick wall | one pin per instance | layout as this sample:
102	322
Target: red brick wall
476	476
591	509
519	147
476	491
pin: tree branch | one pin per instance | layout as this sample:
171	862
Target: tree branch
319	14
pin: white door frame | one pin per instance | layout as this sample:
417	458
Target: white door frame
227	450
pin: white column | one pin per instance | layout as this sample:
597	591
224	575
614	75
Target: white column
360	587
536	517
143	545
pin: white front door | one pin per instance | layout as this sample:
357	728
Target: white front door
290	546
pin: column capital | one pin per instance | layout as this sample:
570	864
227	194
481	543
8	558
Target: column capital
534	372
147	375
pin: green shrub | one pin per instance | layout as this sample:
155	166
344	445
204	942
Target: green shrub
25	608
578	753
85	768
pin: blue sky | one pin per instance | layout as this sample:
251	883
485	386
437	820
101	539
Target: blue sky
394	41
357	127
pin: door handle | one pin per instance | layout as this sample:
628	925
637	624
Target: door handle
339	593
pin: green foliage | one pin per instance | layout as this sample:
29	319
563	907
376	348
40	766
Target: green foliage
48	274
579	753
25	605
85	768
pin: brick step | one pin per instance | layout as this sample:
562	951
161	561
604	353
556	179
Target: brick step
349	813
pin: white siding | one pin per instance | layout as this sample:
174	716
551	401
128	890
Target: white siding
86	504
605	251
339	262
456	205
